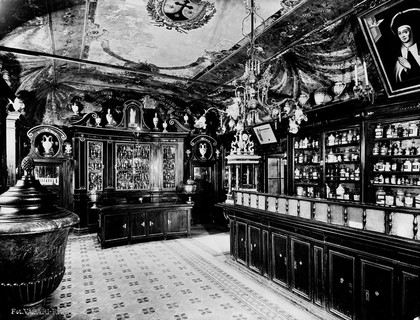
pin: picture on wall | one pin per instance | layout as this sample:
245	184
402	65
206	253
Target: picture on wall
392	31
264	134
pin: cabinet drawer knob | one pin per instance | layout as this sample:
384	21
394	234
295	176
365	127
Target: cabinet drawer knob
124	225
143	224
169	221
150	223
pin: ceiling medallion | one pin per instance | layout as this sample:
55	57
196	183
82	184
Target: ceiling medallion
181	15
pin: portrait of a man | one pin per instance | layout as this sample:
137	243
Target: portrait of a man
392	31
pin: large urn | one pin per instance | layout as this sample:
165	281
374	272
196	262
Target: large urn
33	238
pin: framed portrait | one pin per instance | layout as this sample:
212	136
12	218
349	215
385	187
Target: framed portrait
264	133
392	32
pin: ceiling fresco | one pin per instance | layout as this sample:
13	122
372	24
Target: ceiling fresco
188	51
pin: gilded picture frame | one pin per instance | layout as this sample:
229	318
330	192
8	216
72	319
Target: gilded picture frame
384	27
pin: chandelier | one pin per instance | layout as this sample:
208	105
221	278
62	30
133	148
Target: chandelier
251	104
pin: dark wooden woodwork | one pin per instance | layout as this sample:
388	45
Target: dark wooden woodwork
109	142
352	273
122	224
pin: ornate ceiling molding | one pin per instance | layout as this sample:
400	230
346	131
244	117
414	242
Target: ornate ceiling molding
180	15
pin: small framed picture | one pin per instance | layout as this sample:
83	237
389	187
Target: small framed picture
264	134
392	32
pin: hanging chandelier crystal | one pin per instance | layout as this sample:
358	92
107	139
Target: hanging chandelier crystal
251	89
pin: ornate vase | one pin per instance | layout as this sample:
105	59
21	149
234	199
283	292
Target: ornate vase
321	96
33	238
189	188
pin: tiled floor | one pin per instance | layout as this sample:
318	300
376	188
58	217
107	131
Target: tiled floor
176	279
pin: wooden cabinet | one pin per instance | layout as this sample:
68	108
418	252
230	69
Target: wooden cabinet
342	278
352	274
301	267
280	258
115	228
120	166
377	290
255	248
121	224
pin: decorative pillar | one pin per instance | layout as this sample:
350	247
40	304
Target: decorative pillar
11	142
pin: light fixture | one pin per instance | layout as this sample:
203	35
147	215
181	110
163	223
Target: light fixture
251	89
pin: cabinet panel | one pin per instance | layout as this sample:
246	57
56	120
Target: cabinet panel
241	240
132	169
280	258
318	281
155	223
410	296
377	291
177	220
115	227
301	269
138	225
341	282
265	253
95	165
255	248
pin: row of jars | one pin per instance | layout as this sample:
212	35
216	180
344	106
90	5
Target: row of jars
345	137
305	158
400	130
307	173
393	179
397	166
396	148
336	173
399	198
346	156
342	193
306	143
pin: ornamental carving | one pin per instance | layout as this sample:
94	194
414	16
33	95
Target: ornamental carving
181	15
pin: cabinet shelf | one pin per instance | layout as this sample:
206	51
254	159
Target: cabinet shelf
396	185
349	144
342	162
395	156
398	172
335	180
384	139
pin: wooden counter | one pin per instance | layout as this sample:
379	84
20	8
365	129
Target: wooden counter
125	223
356	261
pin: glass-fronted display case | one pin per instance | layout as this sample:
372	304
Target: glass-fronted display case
343	164
132	170
307	166
169	156
47	174
395	163
95	165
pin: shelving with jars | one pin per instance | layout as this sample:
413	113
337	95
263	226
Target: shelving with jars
395	154
307	166
132	170
343	164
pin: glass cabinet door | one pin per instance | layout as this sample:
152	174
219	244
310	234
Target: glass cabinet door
95	165
342	164
307	166
169	165
132	169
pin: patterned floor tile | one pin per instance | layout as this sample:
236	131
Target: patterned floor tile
178	279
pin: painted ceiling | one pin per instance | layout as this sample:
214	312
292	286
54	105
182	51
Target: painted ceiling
186	51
